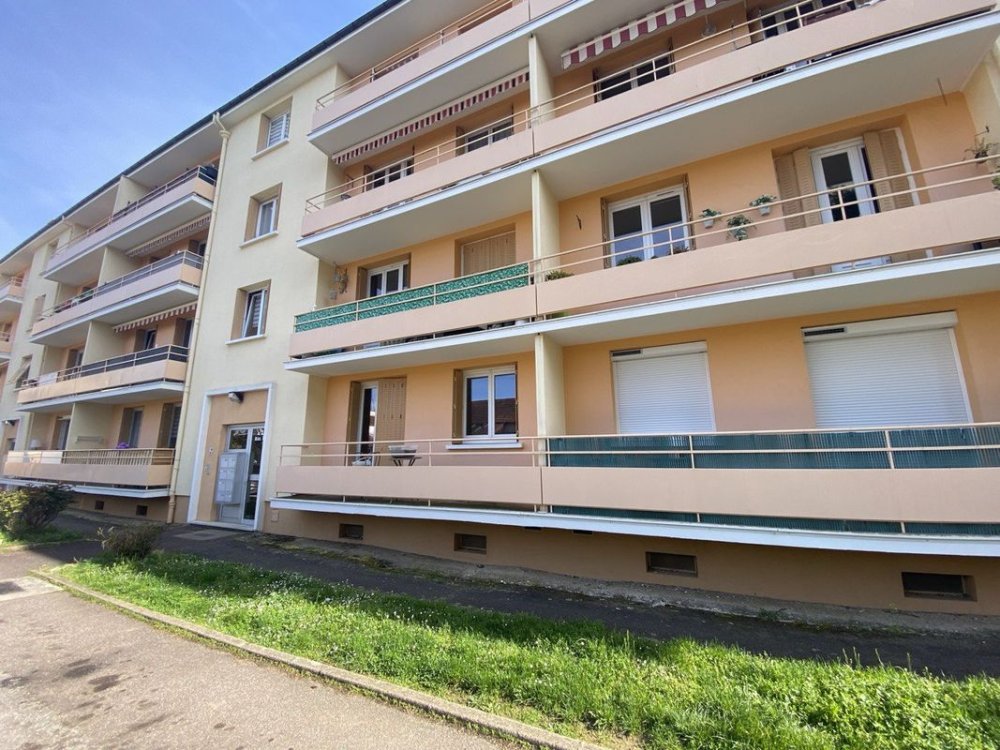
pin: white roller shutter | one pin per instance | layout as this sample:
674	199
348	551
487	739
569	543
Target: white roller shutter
665	389
865	378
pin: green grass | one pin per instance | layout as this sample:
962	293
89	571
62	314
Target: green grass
48	535
577	678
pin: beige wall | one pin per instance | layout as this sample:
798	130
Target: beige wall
755	392
156	508
792	574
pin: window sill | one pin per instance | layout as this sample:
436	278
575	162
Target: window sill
248	338
485	445
254	240
269	149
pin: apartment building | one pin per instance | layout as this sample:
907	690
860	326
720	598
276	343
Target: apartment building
698	293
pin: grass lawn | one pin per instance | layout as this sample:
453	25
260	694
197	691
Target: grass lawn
45	536
577	678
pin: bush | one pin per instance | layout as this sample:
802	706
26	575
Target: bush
132	542
29	509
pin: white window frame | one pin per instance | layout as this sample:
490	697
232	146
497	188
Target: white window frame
487	136
644	202
259	228
491	373
854	149
397	170
278	128
248	321
661	67
384	271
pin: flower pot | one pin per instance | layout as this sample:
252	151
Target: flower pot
709	223
764	210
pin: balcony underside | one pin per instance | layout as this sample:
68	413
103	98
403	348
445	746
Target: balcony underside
849	542
109	490
10	307
140	393
972	273
891	73
134	307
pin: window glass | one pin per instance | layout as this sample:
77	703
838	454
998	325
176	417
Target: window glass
477	403
253	316
627	221
490	403
238	438
505	404
277	128
648	227
265	217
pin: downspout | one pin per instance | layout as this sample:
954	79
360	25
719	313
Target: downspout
196	325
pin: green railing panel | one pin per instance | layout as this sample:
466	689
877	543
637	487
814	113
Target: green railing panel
466	287
626	452
945	436
633	515
854	460
945	459
771	441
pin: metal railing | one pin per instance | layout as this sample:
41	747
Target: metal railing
12	288
182	258
893	448
466	143
421	47
135	359
206	174
100	457
686	236
735	37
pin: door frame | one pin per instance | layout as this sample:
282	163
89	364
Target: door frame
853	148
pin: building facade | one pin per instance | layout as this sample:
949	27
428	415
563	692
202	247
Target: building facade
702	294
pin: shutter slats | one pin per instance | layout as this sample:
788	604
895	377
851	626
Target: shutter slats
807	186
788	188
485	255
910	378
664	394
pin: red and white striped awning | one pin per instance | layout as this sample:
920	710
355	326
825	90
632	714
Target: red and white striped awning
171	313
636	29
437	117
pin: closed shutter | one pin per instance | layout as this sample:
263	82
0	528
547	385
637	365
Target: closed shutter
788	188
906	378
353	411
807	186
277	129
487	254
390	415
665	389
885	159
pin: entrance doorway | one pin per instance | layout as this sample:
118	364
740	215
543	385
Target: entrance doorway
238	477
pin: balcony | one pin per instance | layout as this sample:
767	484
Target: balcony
11	298
425	173
5	346
160	286
694	276
873	489
108	471
168	207
833	70
386	90
151	375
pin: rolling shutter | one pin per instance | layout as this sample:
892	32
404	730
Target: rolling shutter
886	379
663	390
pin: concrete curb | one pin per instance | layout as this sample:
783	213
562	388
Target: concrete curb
429	704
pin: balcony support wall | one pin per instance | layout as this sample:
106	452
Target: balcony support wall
549	386
541	84
544	219
89	427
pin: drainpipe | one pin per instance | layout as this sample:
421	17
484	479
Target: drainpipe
196	326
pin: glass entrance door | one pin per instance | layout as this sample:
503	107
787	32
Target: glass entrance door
248	440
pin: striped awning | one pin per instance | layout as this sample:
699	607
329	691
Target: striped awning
171	313
636	29
171	237
437	117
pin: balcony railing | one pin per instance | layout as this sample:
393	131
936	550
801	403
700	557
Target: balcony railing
102	457
518	123
684	237
183	258
415	50
135	359
12	288
203	173
465	287
705	48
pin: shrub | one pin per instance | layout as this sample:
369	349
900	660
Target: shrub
629	260
32	508
133	542
557	274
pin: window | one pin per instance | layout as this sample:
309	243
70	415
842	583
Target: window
490	403
665	562
478	256
254	313
470	543
145	340
491	134
651	226
353	531
938	586
170	422
277	128
22	376
636	76
838	170
262	218
74	359
266	214
388	279
391	173
131	431
62	434
775	22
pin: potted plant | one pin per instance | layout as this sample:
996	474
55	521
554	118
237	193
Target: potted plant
762	203
557	274
628	260
983	149
739	227
708	217
996	181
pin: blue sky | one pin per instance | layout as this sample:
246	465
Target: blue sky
88	87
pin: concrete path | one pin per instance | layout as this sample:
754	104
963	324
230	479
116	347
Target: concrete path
74	674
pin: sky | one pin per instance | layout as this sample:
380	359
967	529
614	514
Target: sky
89	87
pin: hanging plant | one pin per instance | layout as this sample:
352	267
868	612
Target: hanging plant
762	203
708	217
739	227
